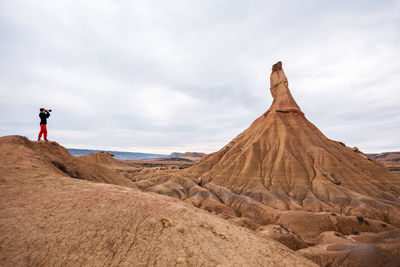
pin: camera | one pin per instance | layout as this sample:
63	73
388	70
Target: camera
45	110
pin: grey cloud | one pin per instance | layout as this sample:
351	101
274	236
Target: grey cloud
190	74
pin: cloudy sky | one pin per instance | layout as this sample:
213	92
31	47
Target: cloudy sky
164	76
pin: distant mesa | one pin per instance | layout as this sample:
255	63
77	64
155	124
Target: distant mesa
193	156
391	160
187	156
175	154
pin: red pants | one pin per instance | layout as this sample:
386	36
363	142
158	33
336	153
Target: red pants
43	130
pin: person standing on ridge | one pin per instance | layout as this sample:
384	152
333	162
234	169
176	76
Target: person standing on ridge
44	114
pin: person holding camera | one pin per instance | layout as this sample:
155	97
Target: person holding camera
43	115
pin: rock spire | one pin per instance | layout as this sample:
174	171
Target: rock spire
283	99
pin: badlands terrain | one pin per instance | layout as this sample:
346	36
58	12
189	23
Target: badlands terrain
283	178
280	193
58	210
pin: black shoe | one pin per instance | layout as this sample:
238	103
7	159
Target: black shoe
39	139
46	140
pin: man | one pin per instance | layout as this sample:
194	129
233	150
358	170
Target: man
44	114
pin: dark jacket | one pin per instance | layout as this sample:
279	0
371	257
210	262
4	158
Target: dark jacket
43	117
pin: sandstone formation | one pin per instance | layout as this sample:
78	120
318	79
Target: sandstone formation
283	171
283	99
49	218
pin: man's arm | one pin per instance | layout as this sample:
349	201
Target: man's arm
47	114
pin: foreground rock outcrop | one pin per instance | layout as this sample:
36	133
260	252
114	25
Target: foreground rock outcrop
54	158
283	171
49	218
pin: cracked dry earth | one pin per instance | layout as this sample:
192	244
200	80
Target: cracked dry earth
48	218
